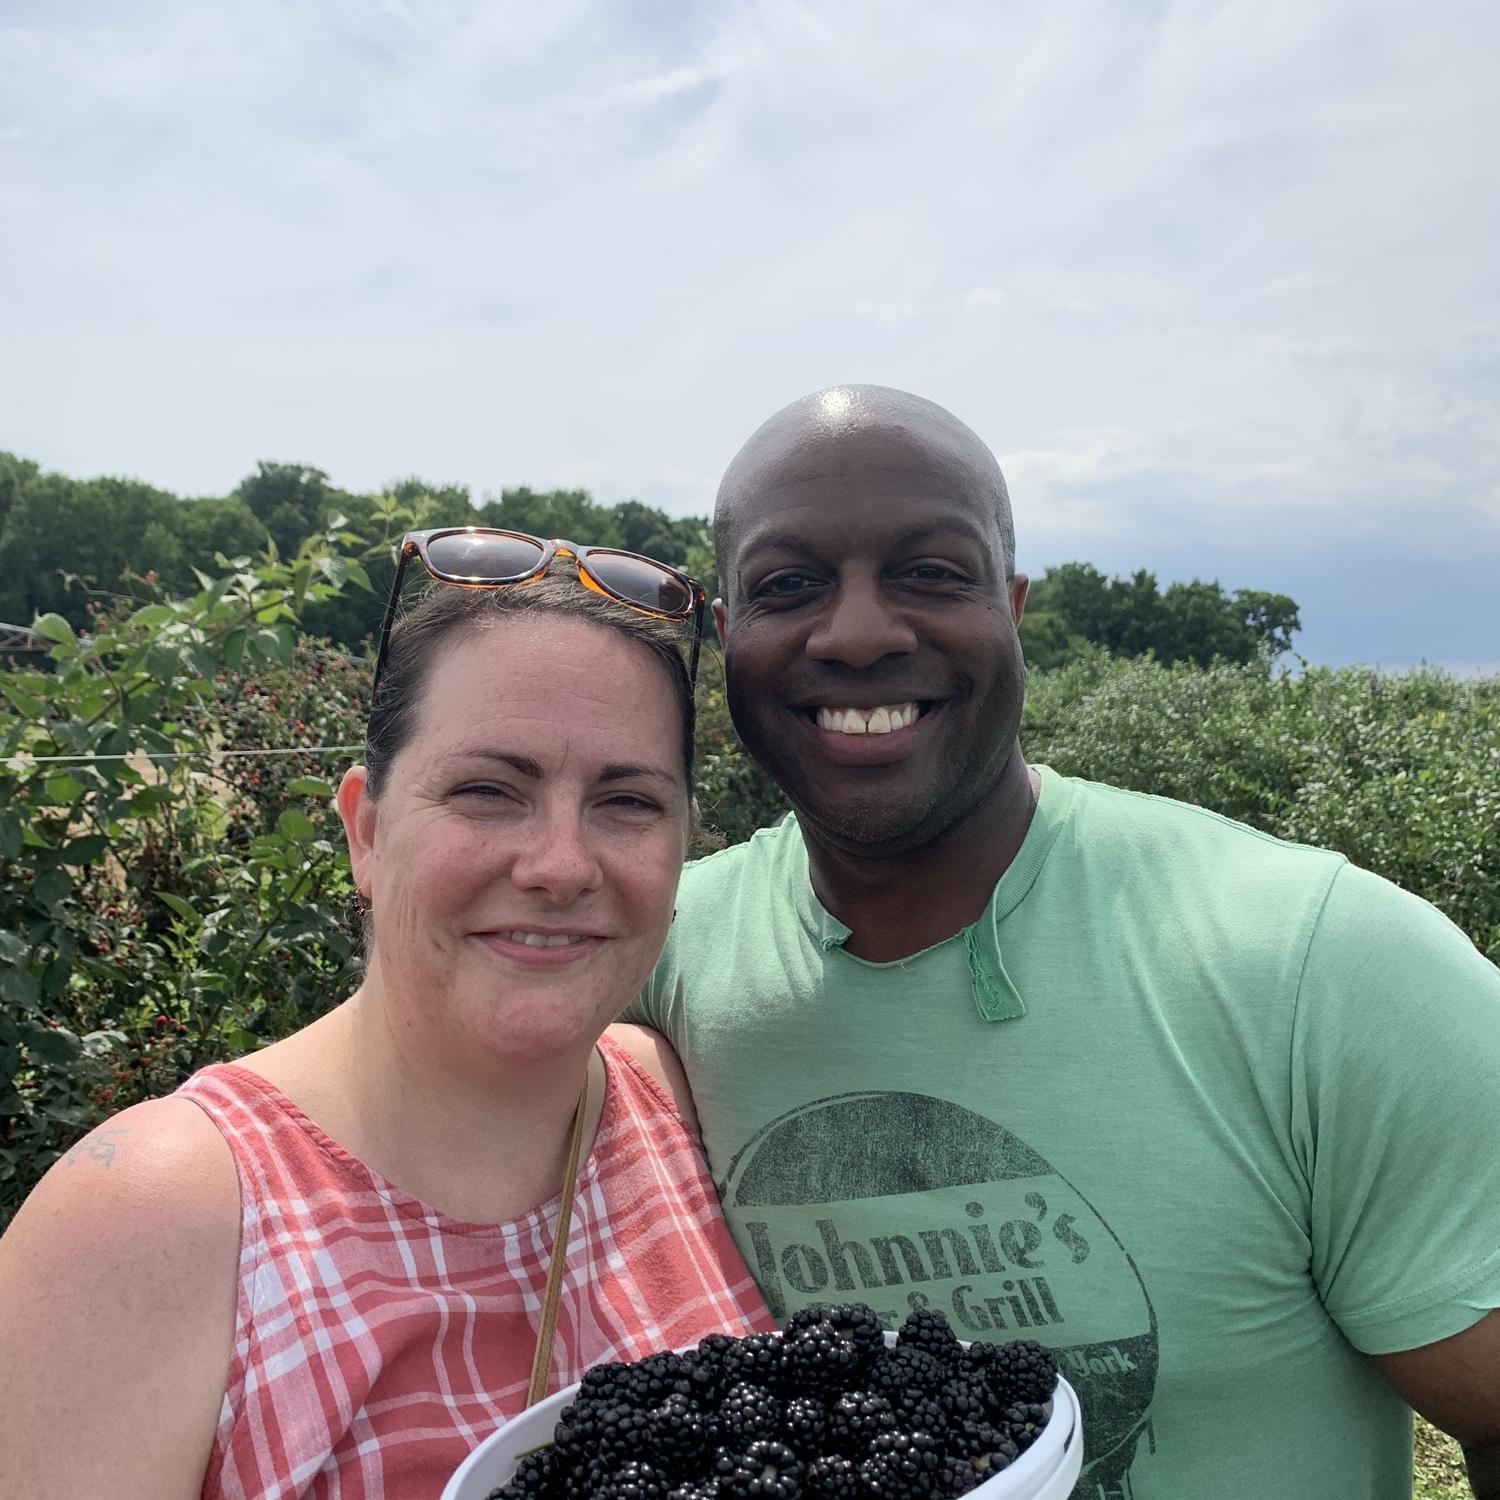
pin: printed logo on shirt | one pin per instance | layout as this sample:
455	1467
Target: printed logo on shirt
907	1201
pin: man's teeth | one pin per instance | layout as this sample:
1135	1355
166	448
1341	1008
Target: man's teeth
883	720
544	939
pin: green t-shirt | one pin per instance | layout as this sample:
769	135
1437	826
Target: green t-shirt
1206	1112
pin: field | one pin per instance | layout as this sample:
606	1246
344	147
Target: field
157	917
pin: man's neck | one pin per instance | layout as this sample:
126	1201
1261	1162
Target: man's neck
897	906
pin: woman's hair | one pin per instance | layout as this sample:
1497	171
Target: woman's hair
448	614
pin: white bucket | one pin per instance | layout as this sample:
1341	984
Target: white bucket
1045	1471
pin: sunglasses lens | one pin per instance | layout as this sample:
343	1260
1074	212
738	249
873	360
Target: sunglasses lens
482	557
638	581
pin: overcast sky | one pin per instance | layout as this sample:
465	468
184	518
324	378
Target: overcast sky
1216	281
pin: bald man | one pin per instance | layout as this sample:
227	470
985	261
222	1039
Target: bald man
1212	1115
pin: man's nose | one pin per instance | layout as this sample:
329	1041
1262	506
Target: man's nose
557	859
858	626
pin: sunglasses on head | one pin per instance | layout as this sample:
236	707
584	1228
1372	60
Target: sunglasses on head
479	557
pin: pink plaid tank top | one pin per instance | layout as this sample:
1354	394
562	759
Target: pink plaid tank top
377	1341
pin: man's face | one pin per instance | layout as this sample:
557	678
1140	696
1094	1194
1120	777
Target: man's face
870	637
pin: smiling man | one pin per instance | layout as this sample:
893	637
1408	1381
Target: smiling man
1211	1115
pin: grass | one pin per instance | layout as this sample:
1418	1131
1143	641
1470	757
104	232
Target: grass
1440	1467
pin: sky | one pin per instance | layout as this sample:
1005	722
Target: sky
1216	281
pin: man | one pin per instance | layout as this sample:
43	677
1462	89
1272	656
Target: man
1211	1115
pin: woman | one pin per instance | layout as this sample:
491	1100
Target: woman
321	1270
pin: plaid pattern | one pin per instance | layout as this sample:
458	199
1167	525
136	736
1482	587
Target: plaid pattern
377	1342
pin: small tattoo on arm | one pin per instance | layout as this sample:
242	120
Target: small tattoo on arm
97	1147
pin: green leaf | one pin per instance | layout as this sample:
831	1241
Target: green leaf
181	907
53	1046
47	890
24	702
54	628
62	787
152	614
85	850
19	987
295	825
309	786
10	836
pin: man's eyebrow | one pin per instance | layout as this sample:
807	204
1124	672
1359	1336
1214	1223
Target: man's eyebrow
789	541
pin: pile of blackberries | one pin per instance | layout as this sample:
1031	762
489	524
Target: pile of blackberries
823	1411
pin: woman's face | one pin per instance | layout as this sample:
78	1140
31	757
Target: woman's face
523	856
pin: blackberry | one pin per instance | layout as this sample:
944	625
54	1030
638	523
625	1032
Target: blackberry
830	1347
705	1368
536	1477
923	1414
764	1471
757	1359
634	1481
1022	1423
676	1433
965	1399
697	1489
955	1476
609	1432
855	1418
747	1412
904	1373
979	1439
995	1459
804	1425
1022	1372
834	1476
657	1377
900	1463
928	1330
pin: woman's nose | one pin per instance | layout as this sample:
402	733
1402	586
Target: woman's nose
557	860
858	626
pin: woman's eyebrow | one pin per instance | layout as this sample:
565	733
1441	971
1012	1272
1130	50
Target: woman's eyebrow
614	771
628	771
522	763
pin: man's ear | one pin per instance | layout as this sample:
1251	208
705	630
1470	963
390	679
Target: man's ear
720	616
1018	586
357	810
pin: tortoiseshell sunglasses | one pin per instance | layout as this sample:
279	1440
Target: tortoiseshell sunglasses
480	557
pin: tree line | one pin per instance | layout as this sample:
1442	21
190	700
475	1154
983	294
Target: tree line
67	544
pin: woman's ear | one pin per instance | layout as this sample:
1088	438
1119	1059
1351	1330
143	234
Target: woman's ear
357	809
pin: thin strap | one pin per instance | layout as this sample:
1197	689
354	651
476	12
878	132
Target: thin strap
541	1362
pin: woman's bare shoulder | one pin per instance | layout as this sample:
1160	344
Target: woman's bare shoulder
118	1282
654	1053
157	1180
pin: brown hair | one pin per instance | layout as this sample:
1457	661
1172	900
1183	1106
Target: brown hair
447	613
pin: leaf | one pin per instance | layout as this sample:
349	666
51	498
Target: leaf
152	614
30	707
19	987
62	787
10	836
54	628
53	1045
47	890
295	825
181	907
309	786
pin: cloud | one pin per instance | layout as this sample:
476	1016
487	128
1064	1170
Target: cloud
1199	269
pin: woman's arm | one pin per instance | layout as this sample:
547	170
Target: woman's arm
117	1306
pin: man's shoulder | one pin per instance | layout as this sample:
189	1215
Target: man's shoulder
768	852
1104	815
